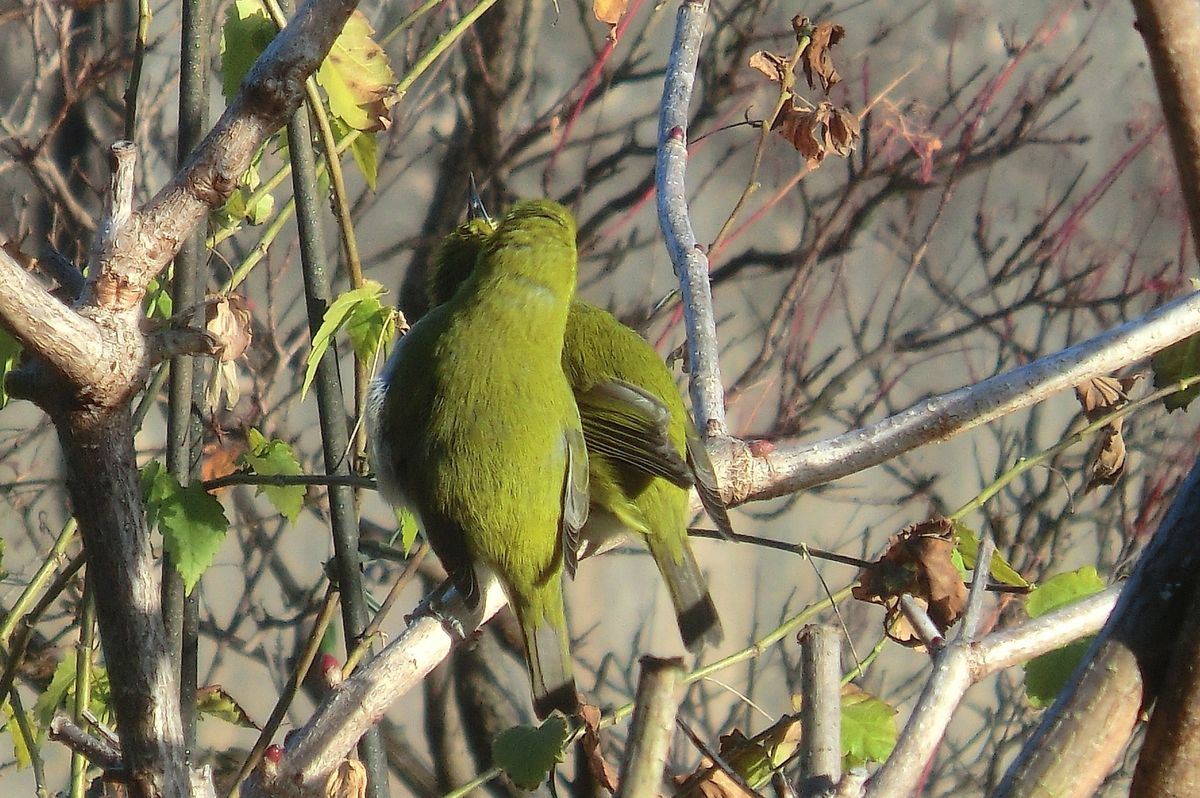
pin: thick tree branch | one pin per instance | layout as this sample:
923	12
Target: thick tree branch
1084	732
765	472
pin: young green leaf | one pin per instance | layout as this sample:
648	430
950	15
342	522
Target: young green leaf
20	748
1046	675
276	458
191	520
62	688
215	702
246	33
1001	571
868	728
367	321
527	754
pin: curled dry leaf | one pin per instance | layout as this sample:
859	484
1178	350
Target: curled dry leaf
609	11
917	562
348	780
818	66
603	772
817	132
770	64
1098	397
228	321
754	759
219	458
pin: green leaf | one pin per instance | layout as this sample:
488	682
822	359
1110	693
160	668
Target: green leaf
368	324
155	489
1178	361
20	749
191	520
868	728
364	148
62	684
276	458
406	525
527	754
215	702
1045	675
357	78
10	352
158	303
1063	589
246	33
968	547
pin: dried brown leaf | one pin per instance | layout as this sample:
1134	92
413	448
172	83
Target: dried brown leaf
1109	462
1098	397
817	132
609	11
219	458
816	60
772	65
228	321
604	773
917	562
348	780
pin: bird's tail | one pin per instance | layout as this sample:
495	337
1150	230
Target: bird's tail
699	624
548	654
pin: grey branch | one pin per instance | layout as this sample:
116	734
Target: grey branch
791	466
691	265
656	703
962	663
821	710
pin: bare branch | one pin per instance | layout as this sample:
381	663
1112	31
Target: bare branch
964	662
786	467
656	703
691	265
821	712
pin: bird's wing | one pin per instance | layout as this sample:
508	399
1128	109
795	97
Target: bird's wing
574	498
629	425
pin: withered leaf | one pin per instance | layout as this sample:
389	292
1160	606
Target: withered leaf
219	458
609	11
772	65
348	780
604	773
816	60
1098	397
817	132
228	321
917	562
1109	462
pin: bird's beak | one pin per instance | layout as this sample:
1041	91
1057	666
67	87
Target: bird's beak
475	209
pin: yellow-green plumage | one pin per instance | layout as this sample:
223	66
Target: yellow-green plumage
643	450
474	427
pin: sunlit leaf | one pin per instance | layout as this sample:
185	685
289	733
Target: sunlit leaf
276	458
527	753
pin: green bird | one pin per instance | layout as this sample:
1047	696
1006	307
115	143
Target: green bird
644	451
474	428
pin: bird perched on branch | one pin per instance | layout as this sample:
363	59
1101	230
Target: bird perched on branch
644	451
475	429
